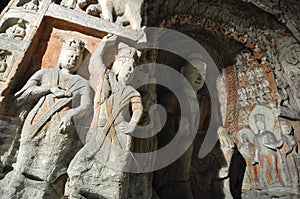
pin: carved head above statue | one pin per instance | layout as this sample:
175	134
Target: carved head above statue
71	55
261	118
286	127
260	121
195	71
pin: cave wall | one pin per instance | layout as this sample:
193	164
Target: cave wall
254	45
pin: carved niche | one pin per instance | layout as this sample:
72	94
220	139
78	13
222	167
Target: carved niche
15	28
32	5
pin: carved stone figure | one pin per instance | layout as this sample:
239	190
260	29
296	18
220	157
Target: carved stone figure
282	90
227	147
245	116
294	77
17	31
3	64
128	11
246	138
242	79
251	76
260	94
266	152
251	95
32	5
109	142
290	156
173	180
68	3
292	55
49	139
242	97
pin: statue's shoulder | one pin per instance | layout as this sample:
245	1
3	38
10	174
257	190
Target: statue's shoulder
132	90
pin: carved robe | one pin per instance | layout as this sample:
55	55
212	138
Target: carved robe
96	169
268	158
114	145
45	151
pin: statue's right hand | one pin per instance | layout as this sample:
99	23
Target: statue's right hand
58	92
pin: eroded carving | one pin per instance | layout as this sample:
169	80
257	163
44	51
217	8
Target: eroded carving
109	141
16	30
127	11
68	3
290	157
49	139
3	64
266	152
32	5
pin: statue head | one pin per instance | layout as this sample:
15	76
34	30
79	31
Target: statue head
21	23
286	127
124	63
260	121
195	71
71	55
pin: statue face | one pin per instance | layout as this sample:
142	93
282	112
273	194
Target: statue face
260	125
70	59
123	67
286	129
193	76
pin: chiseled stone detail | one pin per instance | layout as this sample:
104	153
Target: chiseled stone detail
49	139
126	11
97	170
16	31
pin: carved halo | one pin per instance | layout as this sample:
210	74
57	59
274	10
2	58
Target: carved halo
269	118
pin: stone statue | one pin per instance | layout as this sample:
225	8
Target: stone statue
246	138
127	11
289	153
251	76
68	3
251	95
266	150
17	31
242	97
227	147
98	169
49	139
3	64
32	5
292	76
173	180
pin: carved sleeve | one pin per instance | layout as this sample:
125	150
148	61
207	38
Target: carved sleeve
137	108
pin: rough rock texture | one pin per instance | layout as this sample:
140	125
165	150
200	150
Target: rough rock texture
255	45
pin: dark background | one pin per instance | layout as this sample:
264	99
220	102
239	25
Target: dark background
3	4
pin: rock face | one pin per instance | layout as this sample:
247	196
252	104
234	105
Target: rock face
76	115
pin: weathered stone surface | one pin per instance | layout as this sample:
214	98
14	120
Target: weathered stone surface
256	48
48	138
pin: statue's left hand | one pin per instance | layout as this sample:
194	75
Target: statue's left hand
24	94
224	138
